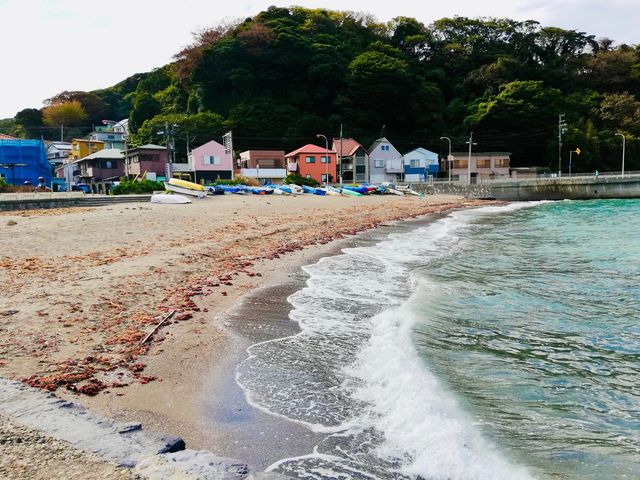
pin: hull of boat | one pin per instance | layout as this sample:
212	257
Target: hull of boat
184	191
168	199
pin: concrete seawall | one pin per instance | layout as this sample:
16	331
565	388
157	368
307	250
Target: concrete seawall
574	188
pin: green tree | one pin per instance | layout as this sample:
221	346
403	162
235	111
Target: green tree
29	123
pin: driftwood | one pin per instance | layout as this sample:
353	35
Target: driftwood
166	317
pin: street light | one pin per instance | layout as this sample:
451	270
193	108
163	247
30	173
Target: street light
470	142
624	142
326	163
449	159
126	147
571	152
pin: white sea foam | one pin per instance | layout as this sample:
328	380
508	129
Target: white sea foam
353	370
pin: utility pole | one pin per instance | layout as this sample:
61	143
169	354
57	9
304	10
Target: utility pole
449	158
227	141
561	129
624	142
354	167
61	132
470	142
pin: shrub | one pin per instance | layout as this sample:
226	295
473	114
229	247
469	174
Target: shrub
239	180
137	186
4	186
298	180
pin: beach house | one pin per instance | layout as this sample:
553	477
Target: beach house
353	160
312	161
149	160
209	162
100	168
266	166
385	162
419	164
484	165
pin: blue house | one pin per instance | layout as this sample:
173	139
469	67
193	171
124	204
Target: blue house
419	164
24	160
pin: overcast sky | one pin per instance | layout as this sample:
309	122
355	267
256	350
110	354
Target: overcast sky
48	46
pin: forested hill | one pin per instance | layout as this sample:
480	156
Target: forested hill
283	76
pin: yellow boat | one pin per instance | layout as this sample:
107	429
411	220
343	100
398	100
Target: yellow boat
184	184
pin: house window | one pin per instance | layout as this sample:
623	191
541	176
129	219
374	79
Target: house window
414	163
108	164
378	163
460	163
308	175
324	159
384	148
323	178
211	160
310	159
502	162
483	163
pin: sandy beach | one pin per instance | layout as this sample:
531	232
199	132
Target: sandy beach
82	288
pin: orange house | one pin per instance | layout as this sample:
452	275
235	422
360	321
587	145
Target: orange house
314	162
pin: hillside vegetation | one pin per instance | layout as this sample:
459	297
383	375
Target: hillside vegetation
283	76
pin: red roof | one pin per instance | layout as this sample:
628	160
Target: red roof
309	148
349	146
4	136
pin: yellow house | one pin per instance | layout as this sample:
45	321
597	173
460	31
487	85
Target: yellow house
80	148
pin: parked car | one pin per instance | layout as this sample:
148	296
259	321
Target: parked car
81	187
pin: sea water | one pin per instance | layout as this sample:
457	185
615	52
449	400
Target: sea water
494	343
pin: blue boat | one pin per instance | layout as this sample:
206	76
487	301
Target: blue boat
315	191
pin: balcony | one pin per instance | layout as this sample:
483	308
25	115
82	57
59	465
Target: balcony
292	166
264	172
182	167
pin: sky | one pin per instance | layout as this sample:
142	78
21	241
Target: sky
48	46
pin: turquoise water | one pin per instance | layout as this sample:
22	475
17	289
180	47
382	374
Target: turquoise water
498	343
532	320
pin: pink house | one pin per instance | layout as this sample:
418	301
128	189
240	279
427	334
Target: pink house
210	162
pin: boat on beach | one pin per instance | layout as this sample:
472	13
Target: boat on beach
184	190
169	199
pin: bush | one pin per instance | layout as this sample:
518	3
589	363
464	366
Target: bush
239	180
298	180
4	186
137	186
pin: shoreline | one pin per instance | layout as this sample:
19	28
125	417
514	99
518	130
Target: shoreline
209	345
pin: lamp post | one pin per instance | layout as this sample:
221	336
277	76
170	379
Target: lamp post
126	147
449	157
470	142
571	152
326	163
624	144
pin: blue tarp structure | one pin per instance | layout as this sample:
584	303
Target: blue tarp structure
22	160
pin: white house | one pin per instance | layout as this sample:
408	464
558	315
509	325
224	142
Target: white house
385	162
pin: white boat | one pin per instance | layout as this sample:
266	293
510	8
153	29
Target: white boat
184	190
167	199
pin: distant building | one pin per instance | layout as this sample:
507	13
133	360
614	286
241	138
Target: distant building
210	162
58	153
419	164
147	159
4	136
266	166
483	165
312	161
81	147
112	136
353	160
24	161
385	162
105	165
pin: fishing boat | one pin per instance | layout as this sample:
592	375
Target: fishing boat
351	193
184	190
357	188
169	199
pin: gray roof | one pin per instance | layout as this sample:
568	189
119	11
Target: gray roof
149	146
104	154
474	154
378	142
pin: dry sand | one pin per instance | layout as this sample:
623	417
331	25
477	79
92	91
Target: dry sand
81	288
